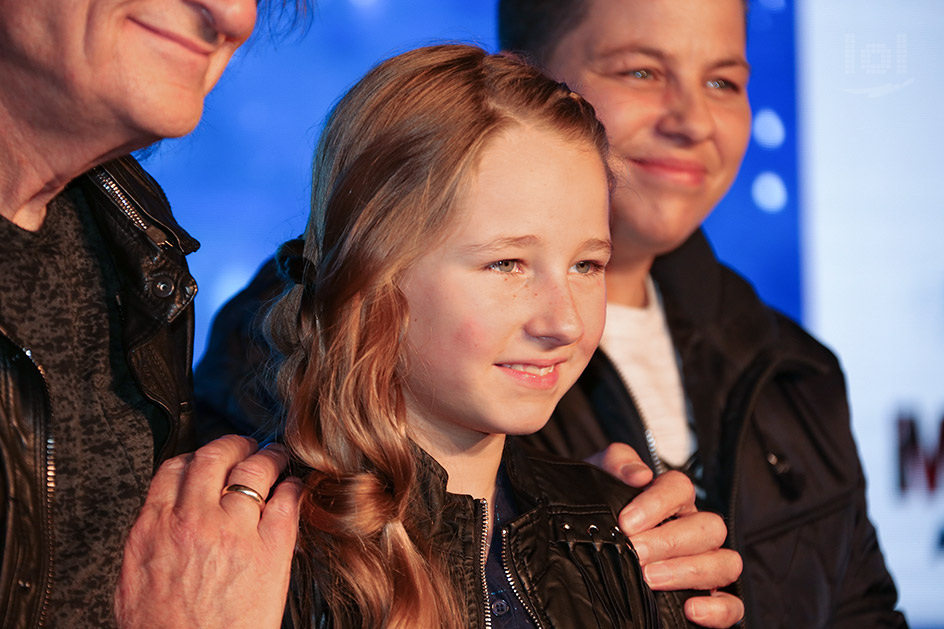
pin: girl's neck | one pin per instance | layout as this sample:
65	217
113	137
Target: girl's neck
471	467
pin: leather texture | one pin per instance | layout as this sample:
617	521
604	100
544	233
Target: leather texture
157	323
566	555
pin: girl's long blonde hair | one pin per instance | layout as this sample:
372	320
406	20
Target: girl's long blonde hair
395	153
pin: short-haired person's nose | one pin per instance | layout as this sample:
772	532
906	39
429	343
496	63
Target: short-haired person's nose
555	317
225	20
687	116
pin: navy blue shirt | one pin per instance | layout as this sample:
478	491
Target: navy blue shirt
507	611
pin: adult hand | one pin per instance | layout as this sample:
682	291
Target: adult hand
199	558
679	547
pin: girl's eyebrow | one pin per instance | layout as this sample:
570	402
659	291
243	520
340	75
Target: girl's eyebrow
600	245
502	242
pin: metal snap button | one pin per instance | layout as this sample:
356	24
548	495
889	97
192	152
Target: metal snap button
163	287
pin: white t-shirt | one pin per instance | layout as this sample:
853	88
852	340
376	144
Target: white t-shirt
637	340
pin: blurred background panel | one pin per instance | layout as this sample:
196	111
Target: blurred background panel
835	216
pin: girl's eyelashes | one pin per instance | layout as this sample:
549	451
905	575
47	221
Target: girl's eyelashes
505	266
584	267
588	267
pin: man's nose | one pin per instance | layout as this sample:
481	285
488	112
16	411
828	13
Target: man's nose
224	20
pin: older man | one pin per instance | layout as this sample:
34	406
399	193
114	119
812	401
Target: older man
95	306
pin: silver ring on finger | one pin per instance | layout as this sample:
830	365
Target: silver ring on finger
249	492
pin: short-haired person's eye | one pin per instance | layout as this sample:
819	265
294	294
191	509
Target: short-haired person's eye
641	74
721	84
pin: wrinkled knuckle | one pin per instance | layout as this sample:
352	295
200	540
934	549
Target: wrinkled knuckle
284	509
174	465
253	473
211	454
736	563
714	528
671	545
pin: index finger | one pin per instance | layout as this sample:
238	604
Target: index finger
669	495
208	468
623	462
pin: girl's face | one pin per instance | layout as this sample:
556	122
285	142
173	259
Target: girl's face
506	310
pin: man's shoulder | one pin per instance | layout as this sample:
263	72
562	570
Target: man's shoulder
704	294
124	178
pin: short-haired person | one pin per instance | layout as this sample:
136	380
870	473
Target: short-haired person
96	319
695	372
449	289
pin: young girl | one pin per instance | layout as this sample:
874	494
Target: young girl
450	290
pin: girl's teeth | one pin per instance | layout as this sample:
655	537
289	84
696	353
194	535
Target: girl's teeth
532	369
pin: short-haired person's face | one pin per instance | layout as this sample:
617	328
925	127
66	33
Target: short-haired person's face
143	65
507	308
668	78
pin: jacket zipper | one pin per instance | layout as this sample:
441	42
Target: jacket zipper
511	581
120	199
483	558
50	484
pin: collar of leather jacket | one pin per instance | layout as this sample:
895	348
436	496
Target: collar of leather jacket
146	243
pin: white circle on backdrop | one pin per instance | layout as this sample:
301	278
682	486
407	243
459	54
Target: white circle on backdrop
769	131
769	192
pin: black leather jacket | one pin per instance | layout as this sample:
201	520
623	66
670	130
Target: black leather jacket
774	439
156	296
569	564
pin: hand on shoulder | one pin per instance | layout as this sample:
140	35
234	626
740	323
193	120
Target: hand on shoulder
202	556
678	546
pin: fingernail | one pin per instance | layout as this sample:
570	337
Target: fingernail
698	608
631	520
657	574
628	471
642	552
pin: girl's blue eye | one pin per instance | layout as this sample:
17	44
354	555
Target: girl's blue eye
505	266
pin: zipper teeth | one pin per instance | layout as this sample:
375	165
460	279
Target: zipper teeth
50	486
483	558
511	581
111	188
650	438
